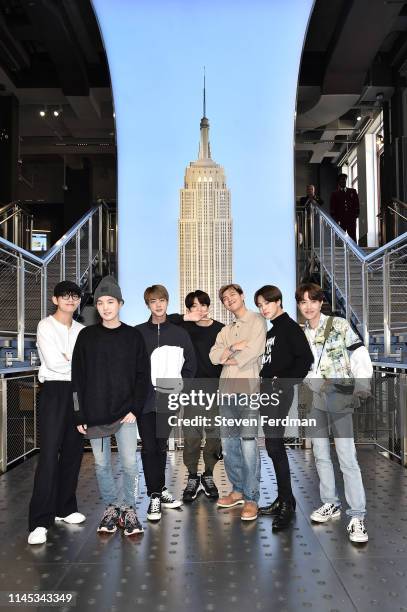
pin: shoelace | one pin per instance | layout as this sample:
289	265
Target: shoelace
155	504
110	513
326	508
191	484
357	525
209	480
166	496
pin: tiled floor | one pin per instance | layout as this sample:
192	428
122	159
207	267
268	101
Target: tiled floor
200	558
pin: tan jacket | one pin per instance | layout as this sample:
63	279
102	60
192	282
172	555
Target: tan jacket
251	327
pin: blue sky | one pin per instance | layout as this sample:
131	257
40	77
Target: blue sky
156	52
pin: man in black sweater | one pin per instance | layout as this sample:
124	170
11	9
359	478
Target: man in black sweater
110	377
286	361
172	358
203	332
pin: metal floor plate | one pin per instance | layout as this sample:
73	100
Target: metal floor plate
202	558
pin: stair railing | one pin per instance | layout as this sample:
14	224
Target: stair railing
371	287
28	281
16	224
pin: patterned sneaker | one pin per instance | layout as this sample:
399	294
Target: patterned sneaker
154	508
326	513
357	530
192	488
110	520
168	501
209	487
131	524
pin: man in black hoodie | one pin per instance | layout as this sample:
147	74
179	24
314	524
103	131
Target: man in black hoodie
286	361
172	357
110	378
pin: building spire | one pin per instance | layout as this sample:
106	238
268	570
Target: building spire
204	97
204	146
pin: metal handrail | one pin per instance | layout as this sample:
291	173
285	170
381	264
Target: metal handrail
89	249
14	204
398	241
335	251
397	213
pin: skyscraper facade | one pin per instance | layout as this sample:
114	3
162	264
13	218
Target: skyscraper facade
205	228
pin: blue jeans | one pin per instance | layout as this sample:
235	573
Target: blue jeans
348	462
126	439
241	456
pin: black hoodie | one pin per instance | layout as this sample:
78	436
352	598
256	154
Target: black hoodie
171	353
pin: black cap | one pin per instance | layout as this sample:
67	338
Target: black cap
67	287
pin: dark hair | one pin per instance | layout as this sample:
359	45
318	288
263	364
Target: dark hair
270	293
202	297
234	286
342	174
155	291
314	291
67	287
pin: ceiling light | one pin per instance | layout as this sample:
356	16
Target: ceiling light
43	113
56	113
359	117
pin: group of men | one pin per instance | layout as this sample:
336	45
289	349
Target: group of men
114	379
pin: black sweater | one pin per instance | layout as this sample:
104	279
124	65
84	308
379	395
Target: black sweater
110	374
203	338
287	353
171	353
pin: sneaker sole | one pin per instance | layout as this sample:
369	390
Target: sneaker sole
153	517
325	519
176	504
249	518
106	530
238	502
59	519
359	539
135	532
212	496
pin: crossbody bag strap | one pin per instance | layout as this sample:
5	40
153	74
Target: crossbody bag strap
327	331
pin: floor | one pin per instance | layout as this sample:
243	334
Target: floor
201	558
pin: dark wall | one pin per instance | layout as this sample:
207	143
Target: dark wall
9	130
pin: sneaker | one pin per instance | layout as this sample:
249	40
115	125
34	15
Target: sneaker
38	536
326	513
130	522
110	520
233	499
73	519
154	508
209	487
192	488
357	530
249	511
168	501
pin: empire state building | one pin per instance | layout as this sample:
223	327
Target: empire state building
205	228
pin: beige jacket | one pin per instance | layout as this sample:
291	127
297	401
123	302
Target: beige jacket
251	327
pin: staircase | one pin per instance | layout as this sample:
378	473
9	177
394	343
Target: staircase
367	285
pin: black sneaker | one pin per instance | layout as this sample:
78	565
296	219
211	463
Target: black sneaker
110	520
192	488
131	524
154	508
209	487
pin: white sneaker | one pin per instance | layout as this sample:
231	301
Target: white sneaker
154	509
357	530
73	519
168	501
326	513
38	536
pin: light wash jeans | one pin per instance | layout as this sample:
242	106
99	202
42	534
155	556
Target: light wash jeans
241	456
348	462
126	438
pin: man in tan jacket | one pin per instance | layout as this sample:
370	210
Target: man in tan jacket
239	347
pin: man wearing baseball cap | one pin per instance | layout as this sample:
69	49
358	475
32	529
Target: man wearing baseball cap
56	477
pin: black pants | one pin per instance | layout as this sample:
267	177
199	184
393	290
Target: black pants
154	449
61	449
275	445
193	436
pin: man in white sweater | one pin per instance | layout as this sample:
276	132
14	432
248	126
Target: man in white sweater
61	445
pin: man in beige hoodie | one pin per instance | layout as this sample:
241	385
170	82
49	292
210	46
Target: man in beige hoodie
239	347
